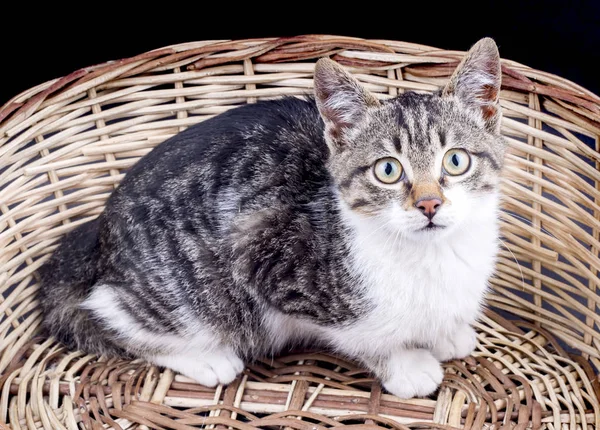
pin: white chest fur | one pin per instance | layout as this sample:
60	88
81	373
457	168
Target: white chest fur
418	290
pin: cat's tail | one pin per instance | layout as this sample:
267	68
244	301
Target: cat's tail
67	280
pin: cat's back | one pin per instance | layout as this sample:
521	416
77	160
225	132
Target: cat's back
267	154
233	147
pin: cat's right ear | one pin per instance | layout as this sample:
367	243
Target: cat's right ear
477	80
341	100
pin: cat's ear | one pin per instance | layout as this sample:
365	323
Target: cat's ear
476	81
341	100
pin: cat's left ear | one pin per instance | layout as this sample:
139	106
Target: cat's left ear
476	81
341	100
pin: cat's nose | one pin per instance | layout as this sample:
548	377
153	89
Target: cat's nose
428	206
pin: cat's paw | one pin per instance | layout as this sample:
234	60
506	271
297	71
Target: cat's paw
217	369
460	345
413	373
208	369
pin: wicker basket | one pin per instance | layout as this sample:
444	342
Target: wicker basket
66	144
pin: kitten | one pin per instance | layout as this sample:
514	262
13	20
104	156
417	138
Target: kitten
368	225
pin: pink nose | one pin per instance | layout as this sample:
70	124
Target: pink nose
428	206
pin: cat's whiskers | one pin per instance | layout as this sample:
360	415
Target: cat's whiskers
386	242
516	261
530	223
371	233
393	247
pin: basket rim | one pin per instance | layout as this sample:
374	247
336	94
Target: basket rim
24	104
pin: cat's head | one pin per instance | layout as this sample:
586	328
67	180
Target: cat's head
422	164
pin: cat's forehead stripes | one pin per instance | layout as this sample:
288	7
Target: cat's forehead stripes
397	144
489	157
418	123
442	137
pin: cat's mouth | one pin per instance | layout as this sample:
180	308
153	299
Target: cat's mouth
432	226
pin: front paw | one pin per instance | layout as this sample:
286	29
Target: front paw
460	345
413	373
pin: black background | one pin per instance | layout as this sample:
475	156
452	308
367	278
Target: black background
40	43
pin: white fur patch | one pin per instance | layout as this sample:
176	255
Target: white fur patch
460	345
282	330
423	286
198	355
413	373
210	369
104	304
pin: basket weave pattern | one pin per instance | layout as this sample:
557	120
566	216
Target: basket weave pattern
66	144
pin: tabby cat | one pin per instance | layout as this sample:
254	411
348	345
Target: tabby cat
367	225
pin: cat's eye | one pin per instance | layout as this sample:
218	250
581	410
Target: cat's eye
388	170
456	162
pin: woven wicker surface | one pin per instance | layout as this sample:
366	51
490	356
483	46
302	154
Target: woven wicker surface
66	144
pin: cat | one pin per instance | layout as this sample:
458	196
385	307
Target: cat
368	225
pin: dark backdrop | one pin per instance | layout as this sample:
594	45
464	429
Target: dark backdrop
41	43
